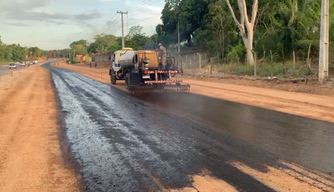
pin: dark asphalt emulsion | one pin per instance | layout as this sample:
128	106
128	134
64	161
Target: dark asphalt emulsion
120	143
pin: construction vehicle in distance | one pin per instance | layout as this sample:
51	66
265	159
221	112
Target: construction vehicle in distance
142	70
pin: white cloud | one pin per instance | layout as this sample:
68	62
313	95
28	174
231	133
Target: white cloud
54	24
17	24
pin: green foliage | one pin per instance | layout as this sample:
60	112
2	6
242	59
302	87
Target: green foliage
104	43
35	52
136	39
266	70
236	52
80	43
281	26
236	69
16	52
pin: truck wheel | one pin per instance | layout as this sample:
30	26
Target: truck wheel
127	80
113	77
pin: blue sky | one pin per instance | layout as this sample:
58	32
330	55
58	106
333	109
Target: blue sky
54	24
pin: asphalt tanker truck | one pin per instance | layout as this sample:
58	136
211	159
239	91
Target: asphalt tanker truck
142	70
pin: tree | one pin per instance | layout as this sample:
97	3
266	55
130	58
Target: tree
136	39
187	14
135	30
35	52
247	32
104	42
80	43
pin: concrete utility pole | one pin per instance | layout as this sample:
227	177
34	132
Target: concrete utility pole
324	41
178	39
121	12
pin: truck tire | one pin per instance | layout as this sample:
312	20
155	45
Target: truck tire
112	77
127	80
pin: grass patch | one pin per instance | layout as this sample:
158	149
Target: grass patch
279	70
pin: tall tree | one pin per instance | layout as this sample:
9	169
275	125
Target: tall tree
246	25
104	43
136	39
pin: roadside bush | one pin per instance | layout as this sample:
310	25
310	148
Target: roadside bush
266	70
236	69
237	52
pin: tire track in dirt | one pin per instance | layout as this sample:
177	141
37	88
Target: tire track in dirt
8	138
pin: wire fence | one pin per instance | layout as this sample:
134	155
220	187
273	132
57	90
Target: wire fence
265	67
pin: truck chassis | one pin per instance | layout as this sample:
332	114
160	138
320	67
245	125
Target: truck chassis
158	78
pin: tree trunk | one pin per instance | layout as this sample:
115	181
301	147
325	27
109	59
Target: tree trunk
308	61
247	35
250	57
249	49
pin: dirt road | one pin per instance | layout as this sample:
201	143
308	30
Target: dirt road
121	143
30	155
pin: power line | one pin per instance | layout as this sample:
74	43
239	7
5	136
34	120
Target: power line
107	23
139	7
112	25
136	5
141	20
113	31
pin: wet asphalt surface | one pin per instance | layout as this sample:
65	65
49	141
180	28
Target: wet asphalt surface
4	70
124	142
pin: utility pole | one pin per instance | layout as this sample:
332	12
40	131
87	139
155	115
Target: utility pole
178	32
324	41
121	12
178	39
178	36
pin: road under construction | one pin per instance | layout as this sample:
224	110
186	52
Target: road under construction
111	140
163	141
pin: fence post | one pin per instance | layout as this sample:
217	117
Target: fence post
272	63
210	66
294	60
191	63
200	60
255	65
187	59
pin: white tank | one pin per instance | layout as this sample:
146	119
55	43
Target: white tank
126	60
117	55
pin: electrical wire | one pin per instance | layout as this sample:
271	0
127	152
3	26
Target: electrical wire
112	25
136	5
139	7
107	23
141	20
113	29
132	8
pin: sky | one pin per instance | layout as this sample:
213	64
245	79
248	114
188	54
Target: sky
54	24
